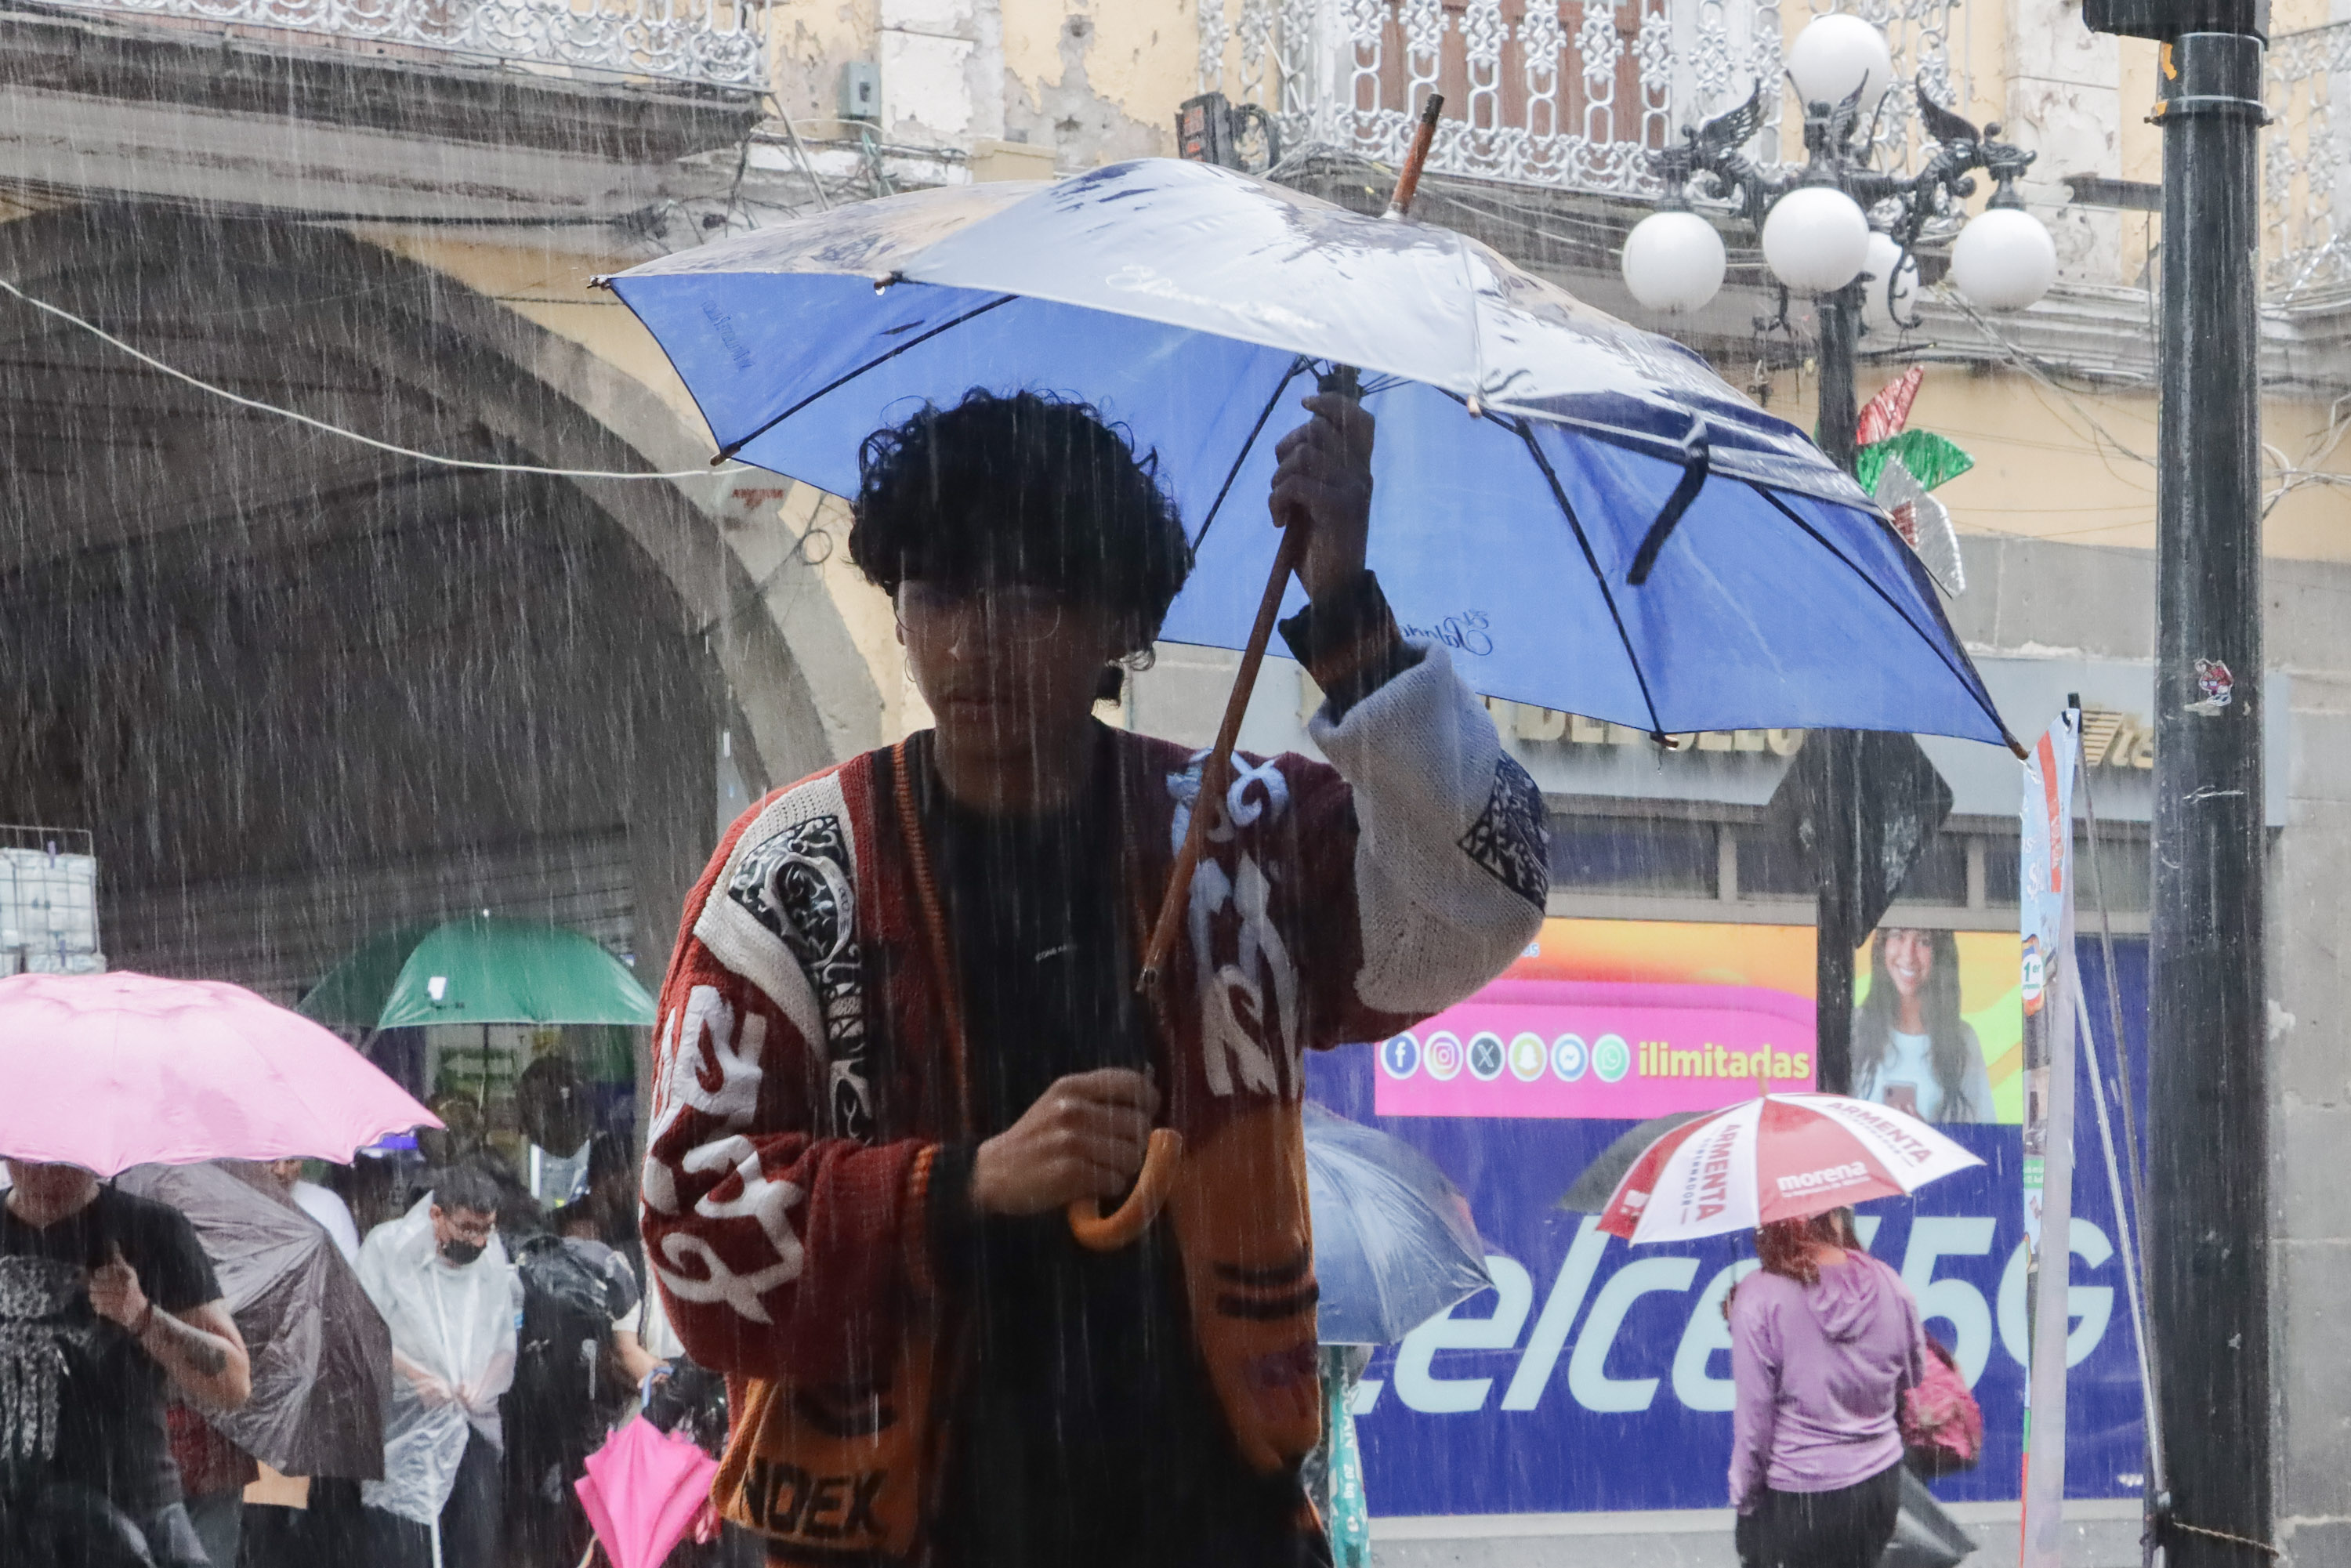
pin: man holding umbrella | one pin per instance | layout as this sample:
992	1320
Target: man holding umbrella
900	1034
106	1301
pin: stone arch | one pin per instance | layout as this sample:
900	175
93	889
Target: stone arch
129	491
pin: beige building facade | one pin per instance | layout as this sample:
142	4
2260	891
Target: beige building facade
302	686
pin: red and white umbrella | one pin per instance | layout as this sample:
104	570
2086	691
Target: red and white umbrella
1778	1156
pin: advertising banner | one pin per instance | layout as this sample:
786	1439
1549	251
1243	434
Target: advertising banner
1596	1375
2045	894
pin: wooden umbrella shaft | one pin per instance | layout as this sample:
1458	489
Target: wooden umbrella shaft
1408	182
1215	773
1091	1227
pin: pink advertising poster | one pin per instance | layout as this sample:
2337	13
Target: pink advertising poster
1628	1019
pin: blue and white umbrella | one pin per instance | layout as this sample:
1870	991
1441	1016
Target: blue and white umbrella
1589	516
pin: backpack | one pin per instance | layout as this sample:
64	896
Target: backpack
1942	1425
571	1291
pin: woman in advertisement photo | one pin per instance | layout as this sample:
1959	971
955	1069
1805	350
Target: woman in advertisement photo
1911	1049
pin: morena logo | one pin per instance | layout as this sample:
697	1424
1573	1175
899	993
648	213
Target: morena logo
1832	1175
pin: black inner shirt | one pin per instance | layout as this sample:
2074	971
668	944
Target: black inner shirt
1085	1430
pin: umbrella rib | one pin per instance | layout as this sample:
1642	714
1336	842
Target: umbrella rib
1814	534
1296	365
732	447
1559	494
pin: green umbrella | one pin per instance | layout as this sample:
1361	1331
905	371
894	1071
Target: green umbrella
482	970
353	991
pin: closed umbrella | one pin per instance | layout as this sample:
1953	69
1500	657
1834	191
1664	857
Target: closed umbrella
642	1490
107	1071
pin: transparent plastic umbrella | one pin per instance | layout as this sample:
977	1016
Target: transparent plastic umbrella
1393	1241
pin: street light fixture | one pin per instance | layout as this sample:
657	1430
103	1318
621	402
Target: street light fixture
1816	221
1844	234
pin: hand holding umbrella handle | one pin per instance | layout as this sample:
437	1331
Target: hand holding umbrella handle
1101	1232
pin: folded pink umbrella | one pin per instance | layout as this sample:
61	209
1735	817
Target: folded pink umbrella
642	1491
107	1071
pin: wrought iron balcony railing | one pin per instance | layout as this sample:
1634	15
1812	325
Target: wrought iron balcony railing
2306	250
1570	94
714	43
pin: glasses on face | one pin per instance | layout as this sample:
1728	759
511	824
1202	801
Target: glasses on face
1011	613
477	1231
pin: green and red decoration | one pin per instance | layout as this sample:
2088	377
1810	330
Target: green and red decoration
1897	466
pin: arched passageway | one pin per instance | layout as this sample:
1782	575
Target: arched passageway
300	689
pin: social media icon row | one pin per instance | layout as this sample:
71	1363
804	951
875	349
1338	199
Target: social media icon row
1526	1057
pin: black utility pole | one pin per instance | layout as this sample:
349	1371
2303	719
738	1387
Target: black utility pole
1843	903
2208	1122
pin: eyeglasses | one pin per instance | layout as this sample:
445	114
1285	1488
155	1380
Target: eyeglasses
474	1231
1011	613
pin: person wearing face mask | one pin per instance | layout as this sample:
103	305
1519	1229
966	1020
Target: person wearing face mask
1911	1049
450	1296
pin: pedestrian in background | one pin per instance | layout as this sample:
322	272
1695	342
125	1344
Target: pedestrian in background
1823	1340
106	1304
449	1297
321	1204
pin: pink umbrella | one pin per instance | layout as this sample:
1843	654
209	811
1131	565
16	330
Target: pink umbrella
1776	1156
642	1490
107	1071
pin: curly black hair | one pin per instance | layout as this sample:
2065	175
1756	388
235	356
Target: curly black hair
1026	488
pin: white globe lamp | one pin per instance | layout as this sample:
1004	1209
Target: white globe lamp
1816	239
1835	53
1886	261
1674	262
2005	259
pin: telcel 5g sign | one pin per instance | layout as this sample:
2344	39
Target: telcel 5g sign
1596	1375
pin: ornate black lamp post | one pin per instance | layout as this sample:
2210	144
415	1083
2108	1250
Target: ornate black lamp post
1843	231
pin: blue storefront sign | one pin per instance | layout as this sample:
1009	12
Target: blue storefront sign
1597	1376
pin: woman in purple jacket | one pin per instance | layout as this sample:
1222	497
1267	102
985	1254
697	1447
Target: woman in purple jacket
1823	1341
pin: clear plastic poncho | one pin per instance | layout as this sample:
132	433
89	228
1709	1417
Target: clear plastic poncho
458	1323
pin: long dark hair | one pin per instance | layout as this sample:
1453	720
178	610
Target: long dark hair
1784	1247
1938	1006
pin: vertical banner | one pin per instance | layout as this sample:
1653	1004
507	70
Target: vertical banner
2046	896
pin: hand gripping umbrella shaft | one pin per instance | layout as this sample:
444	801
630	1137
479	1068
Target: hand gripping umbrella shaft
1091	1227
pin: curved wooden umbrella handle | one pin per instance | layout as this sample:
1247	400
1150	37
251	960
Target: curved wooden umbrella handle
1103	1232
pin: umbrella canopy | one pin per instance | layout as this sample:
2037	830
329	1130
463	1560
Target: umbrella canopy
321	1353
107	1071
483	969
642	1491
1777	1156
1393	1241
352	992
1588	516
1592	1189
